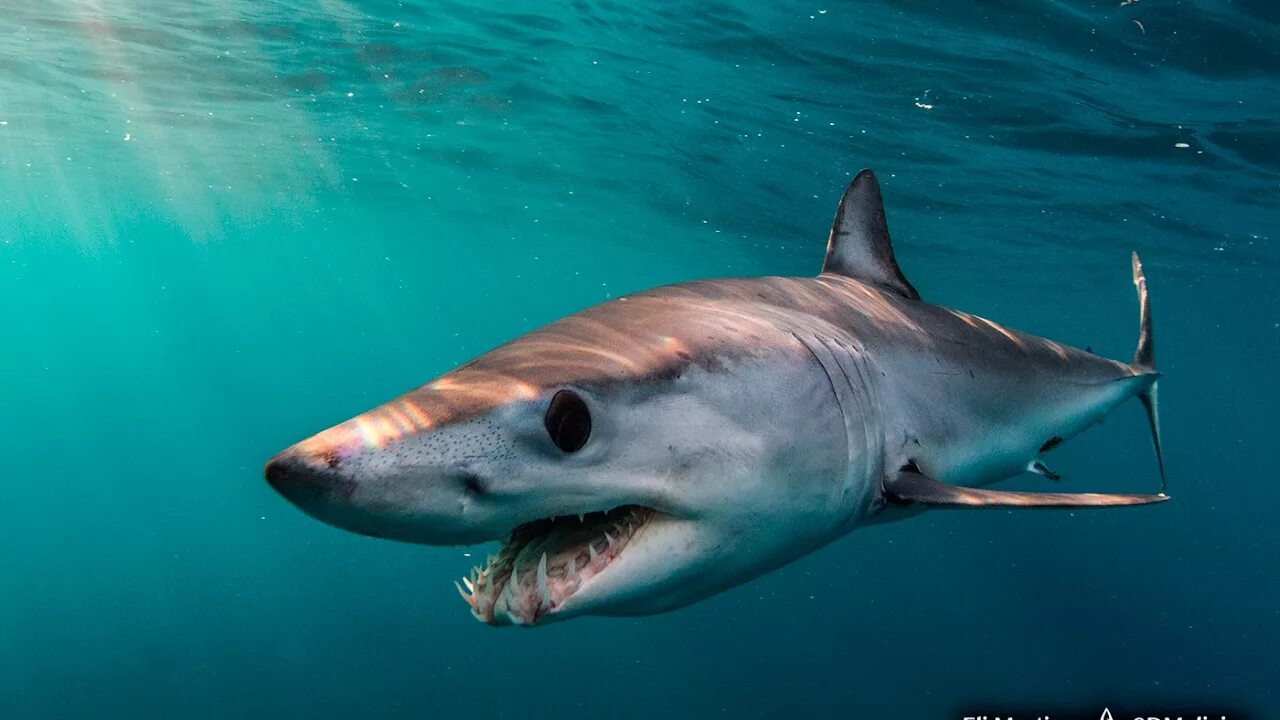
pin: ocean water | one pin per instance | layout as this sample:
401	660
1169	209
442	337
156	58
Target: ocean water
225	225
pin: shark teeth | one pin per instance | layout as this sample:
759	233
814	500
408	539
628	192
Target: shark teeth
508	593
554	555
470	599
544	589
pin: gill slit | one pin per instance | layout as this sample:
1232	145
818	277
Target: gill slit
873	435
845	394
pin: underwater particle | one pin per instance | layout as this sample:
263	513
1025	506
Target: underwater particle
128	137
1181	145
1140	26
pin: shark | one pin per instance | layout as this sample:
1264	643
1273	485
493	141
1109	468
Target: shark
659	448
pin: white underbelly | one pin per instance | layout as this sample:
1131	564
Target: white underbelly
976	446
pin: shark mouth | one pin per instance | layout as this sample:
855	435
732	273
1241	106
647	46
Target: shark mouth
544	562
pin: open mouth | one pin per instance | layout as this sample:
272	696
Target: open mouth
544	562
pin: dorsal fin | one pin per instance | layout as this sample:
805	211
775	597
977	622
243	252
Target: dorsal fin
859	243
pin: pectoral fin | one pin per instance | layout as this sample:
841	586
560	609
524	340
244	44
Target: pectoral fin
910	487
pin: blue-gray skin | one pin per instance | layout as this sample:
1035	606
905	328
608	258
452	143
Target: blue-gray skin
653	450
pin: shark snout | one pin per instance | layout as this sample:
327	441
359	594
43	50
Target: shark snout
397	492
308	482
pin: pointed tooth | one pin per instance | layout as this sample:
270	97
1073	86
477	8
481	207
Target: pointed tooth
543	588
591	549
508	598
470	585
514	579
582	517
572	579
609	537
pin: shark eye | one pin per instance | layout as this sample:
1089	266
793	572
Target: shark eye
568	421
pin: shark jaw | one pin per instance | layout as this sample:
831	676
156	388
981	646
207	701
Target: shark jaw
544	563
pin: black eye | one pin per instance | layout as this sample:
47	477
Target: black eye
568	421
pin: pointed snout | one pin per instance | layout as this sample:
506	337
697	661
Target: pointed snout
317	485
405	491
415	469
308	482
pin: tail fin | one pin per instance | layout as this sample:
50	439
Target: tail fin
1144	361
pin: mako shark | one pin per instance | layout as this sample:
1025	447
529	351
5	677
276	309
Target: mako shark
659	448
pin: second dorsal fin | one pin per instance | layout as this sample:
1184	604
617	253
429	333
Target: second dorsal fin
859	243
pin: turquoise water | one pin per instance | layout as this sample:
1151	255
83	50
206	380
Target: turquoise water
227	226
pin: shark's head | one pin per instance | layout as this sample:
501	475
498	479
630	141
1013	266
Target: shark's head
632	458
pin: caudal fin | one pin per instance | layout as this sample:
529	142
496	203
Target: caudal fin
1144	361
